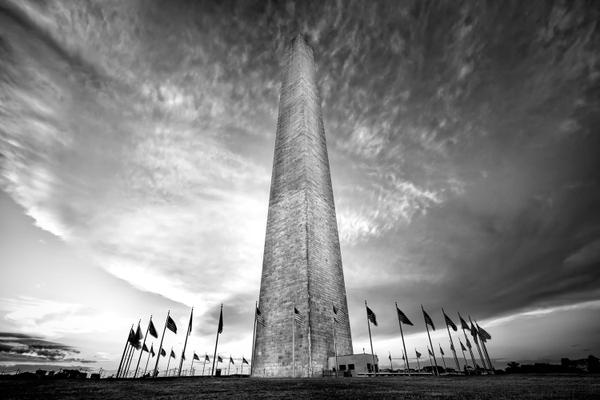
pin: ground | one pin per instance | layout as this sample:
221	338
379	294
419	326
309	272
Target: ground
481	387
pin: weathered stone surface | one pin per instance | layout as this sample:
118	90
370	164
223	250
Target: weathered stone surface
302	264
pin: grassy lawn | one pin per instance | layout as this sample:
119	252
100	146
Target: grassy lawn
478	387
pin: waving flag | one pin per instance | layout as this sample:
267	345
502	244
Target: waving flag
144	348
219	359
259	318
441	350
428	320
244	361
231	360
163	352
402	317
299	318
462	346
483	334
189	331
171	324
152	351
430	353
371	316
469	343
334	313
418	354
206	358
152	330
450	323
172	354
196	357
474	332
220	327
463	323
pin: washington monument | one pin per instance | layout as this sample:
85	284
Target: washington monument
302	293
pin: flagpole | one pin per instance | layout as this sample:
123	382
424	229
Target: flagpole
484	347
160	347
464	356
403	343
478	348
229	365
451	342
125	360
430	361
442	355
216	343
133	349
129	348
204	364
253	338
335	348
129	360
192	365
142	351
124	350
418	364
429	336
390	357
487	356
147	360
370	340
467	340
293	340
189	331
169	362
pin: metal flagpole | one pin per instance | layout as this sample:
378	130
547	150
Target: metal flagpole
229	365
154	373
124	350
390	357
468	343
478	348
189	331
147	360
293	340
204	365
418	365
484	347
464	356
451	342
429	336
370	340
142	351
442	355
403	344
253	338
487	356
169	362
431	361
335	348
129	348
192	366
217	341
129	360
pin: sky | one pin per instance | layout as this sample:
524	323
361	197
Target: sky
136	146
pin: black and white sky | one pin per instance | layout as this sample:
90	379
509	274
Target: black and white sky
136	144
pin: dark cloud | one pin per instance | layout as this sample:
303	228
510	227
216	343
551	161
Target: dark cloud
19	347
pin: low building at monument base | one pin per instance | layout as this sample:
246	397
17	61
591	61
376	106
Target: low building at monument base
353	364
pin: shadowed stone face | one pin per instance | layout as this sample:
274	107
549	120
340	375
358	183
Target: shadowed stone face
302	264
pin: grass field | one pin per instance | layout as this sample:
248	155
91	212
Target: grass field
480	387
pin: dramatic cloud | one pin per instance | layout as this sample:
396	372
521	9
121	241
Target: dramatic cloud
463	141
19	348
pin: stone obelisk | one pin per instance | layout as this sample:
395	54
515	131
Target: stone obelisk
302	264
